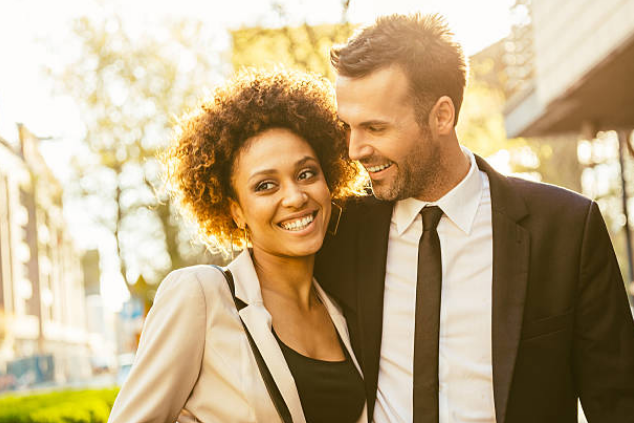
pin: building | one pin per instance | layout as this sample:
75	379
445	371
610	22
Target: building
582	59
42	301
571	71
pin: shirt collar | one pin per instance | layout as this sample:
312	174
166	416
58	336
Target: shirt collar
460	204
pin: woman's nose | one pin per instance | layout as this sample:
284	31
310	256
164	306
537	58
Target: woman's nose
294	196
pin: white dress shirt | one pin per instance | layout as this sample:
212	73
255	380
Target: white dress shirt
465	366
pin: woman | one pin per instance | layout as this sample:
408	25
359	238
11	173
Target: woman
261	163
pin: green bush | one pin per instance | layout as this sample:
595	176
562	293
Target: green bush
88	406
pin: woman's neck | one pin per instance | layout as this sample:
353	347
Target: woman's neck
288	279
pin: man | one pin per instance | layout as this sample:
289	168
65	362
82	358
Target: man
470	296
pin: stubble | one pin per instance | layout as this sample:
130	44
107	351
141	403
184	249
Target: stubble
418	174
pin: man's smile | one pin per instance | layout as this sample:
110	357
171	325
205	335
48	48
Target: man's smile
378	168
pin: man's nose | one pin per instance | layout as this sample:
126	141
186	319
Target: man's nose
294	196
358	148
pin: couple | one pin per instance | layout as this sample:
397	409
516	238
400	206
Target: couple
453	294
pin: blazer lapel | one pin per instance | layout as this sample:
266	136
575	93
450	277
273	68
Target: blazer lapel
511	249
372	242
259	323
339	321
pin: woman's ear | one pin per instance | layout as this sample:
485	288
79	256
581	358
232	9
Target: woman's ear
236	214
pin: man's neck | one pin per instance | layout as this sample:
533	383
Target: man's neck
455	165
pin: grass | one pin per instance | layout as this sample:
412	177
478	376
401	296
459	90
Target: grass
71	406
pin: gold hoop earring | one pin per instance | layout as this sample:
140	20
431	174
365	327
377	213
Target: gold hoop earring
335	218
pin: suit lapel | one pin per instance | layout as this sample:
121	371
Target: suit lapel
341	326
339	321
372	242
511	249
259	323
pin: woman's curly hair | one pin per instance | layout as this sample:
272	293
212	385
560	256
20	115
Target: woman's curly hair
200	161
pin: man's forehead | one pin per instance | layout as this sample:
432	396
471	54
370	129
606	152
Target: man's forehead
386	88
382	75
383	83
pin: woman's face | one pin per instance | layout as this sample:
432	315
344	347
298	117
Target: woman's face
282	194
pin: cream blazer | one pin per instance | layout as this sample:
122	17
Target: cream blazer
194	362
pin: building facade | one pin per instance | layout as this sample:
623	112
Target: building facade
571	71
577	61
42	299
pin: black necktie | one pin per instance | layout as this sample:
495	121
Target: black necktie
428	287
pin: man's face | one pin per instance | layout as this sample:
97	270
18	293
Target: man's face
402	158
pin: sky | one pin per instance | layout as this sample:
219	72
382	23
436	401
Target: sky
33	35
29	27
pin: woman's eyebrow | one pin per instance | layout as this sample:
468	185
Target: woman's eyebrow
298	163
306	159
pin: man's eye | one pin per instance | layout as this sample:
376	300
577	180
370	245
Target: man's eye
375	128
263	186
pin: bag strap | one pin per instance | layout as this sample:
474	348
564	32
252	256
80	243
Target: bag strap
271	386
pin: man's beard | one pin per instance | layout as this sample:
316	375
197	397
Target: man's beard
417	174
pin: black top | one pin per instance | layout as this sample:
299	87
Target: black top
330	391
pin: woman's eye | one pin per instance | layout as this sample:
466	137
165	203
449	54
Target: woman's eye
263	186
308	173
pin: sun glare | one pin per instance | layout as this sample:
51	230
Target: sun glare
26	94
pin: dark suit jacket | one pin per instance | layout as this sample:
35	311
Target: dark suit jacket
562	327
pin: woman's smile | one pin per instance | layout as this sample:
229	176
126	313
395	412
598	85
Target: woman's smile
299	224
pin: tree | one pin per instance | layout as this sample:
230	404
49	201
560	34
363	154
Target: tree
301	46
128	86
481	128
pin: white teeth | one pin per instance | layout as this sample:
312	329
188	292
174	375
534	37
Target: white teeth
297	224
379	168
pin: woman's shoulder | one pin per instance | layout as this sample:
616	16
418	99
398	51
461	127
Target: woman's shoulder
198	279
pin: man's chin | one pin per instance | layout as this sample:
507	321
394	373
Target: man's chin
384	193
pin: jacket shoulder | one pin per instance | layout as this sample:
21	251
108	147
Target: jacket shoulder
192	280
363	204
550	199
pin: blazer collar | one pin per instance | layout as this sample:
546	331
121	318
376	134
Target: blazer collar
258	321
336	315
504	197
246	279
339	322
511	258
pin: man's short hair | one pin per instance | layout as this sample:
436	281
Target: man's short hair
424	48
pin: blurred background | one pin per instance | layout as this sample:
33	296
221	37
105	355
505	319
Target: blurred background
89	91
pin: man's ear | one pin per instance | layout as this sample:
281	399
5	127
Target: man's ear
443	115
236	213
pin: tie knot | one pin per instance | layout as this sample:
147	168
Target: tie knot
431	217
